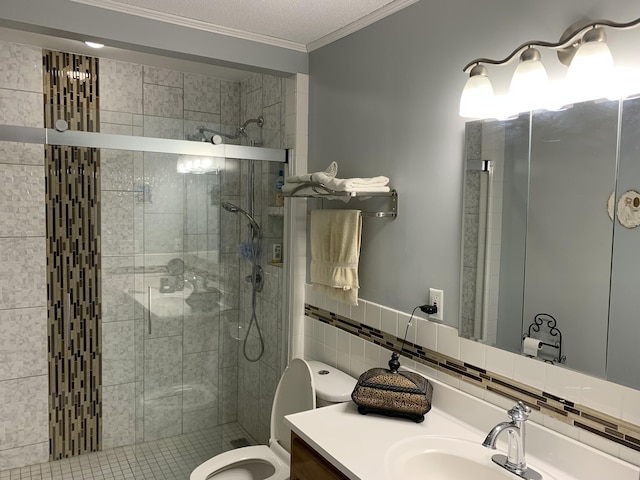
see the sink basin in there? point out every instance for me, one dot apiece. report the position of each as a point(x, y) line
point(443, 458)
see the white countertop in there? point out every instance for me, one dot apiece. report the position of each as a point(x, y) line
point(357, 444)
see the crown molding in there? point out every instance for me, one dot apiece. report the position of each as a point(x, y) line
point(365, 21)
point(194, 23)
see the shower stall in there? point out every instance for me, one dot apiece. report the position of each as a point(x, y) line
point(179, 317)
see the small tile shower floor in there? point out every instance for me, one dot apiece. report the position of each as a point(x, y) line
point(167, 459)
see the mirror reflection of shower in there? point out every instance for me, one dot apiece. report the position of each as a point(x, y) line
point(251, 250)
point(217, 137)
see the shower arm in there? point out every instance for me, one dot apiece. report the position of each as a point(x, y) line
point(241, 132)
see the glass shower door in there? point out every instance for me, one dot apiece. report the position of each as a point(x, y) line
point(161, 305)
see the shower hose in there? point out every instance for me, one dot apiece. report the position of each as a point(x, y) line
point(254, 319)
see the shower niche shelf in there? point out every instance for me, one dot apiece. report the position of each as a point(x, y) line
point(319, 190)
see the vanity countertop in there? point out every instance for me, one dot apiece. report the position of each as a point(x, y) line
point(358, 445)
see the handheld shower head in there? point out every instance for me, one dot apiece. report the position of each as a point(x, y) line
point(230, 207)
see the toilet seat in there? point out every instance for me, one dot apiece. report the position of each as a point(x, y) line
point(222, 466)
point(295, 393)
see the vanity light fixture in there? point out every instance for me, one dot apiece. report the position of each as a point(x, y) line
point(591, 74)
point(94, 44)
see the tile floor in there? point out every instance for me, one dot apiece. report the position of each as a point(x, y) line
point(167, 459)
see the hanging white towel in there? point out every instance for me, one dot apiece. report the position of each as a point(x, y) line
point(335, 253)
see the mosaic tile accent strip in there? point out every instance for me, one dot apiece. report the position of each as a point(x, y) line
point(70, 90)
point(571, 413)
point(73, 259)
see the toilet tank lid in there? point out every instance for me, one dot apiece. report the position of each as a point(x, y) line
point(331, 384)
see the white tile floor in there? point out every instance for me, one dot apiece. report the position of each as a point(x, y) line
point(168, 459)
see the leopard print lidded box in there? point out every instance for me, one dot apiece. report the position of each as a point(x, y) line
point(393, 393)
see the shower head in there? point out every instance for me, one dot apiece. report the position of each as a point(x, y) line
point(230, 207)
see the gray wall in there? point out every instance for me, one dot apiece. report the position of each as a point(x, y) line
point(384, 101)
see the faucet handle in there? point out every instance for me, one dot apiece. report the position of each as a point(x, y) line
point(519, 412)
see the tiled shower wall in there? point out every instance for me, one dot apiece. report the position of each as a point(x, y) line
point(140, 100)
point(24, 436)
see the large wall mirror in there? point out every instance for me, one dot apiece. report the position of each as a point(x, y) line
point(551, 237)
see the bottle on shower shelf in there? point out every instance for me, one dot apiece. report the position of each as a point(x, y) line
point(279, 200)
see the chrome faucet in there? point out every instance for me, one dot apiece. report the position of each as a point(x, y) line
point(514, 462)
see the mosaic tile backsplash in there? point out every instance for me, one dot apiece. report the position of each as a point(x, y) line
point(358, 338)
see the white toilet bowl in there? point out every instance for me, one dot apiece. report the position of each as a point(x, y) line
point(296, 392)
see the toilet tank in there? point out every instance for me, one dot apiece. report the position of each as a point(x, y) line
point(332, 385)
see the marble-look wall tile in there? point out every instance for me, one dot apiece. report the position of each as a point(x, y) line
point(197, 202)
point(271, 90)
point(117, 223)
point(198, 420)
point(21, 67)
point(24, 410)
point(23, 283)
point(23, 343)
point(118, 413)
point(201, 381)
point(21, 201)
point(120, 86)
point(24, 456)
point(115, 129)
point(196, 120)
point(201, 94)
point(253, 106)
point(162, 76)
point(19, 108)
point(254, 82)
point(162, 367)
point(118, 353)
point(160, 101)
point(118, 283)
point(163, 233)
point(162, 417)
point(166, 184)
point(229, 394)
point(230, 179)
point(162, 127)
point(201, 332)
point(21, 153)
point(230, 103)
point(272, 132)
point(116, 170)
point(115, 118)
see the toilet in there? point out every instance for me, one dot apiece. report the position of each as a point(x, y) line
point(304, 385)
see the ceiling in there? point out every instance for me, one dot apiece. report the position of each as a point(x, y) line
point(297, 24)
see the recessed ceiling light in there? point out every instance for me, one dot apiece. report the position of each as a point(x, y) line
point(94, 44)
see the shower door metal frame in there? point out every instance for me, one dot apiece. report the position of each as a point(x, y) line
point(50, 136)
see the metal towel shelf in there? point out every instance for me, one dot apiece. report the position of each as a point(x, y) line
point(319, 190)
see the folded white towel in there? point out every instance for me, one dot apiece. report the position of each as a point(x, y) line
point(330, 172)
point(335, 253)
point(373, 184)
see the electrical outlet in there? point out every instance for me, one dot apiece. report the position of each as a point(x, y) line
point(436, 297)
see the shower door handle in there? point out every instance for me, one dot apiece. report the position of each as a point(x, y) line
point(149, 307)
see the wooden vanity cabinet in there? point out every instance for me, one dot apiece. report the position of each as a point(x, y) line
point(307, 464)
